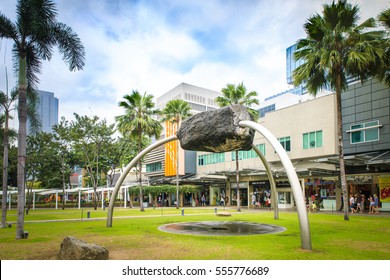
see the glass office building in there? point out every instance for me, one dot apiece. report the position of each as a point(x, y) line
point(47, 110)
point(291, 64)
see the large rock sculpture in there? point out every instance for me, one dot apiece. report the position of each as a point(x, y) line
point(217, 130)
point(75, 249)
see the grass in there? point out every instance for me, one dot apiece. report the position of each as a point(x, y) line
point(134, 235)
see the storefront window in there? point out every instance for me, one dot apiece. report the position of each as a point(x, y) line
point(318, 189)
point(243, 194)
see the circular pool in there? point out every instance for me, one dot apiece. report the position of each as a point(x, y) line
point(221, 228)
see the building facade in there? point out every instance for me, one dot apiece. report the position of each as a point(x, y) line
point(161, 162)
point(306, 126)
point(307, 131)
point(366, 128)
point(47, 111)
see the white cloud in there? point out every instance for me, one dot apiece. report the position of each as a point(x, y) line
point(155, 45)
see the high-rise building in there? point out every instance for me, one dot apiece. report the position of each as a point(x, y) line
point(47, 111)
point(291, 63)
point(293, 95)
point(161, 163)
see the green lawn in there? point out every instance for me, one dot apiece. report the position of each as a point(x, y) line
point(134, 235)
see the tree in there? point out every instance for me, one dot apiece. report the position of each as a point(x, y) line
point(136, 121)
point(89, 137)
point(175, 111)
point(384, 73)
point(337, 48)
point(6, 101)
point(43, 164)
point(233, 94)
point(35, 33)
point(129, 150)
point(65, 152)
point(111, 159)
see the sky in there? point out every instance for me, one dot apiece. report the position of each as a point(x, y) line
point(153, 46)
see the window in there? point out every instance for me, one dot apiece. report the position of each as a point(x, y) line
point(248, 154)
point(365, 132)
point(197, 107)
point(286, 143)
point(211, 158)
point(153, 167)
point(312, 140)
point(267, 109)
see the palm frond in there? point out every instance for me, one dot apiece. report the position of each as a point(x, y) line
point(175, 111)
point(70, 46)
point(137, 118)
point(384, 18)
point(7, 28)
point(337, 47)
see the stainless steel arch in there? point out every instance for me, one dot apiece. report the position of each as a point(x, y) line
point(127, 170)
point(291, 174)
point(292, 177)
point(271, 181)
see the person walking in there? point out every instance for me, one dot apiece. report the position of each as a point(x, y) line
point(359, 202)
point(342, 203)
point(362, 203)
point(203, 200)
point(222, 201)
point(352, 204)
point(371, 209)
point(376, 204)
point(253, 200)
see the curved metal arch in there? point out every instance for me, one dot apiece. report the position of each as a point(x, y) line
point(291, 174)
point(127, 170)
point(292, 177)
point(271, 181)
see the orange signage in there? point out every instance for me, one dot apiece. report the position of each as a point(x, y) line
point(170, 150)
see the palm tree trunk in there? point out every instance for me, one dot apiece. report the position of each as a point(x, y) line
point(22, 108)
point(341, 148)
point(5, 174)
point(63, 185)
point(94, 186)
point(141, 199)
point(238, 187)
point(177, 172)
point(141, 191)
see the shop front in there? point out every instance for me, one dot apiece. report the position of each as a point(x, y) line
point(361, 183)
point(217, 191)
point(285, 197)
point(368, 185)
point(200, 196)
point(260, 193)
point(384, 192)
point(243, 187)
point(322, 192)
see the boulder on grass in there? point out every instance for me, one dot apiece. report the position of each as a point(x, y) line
point(75, 249)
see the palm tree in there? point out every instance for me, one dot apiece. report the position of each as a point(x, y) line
point(233, 94)
point(34, 34)
point(175, 111)
point(6, 102)
point(335, 49)
point(137, 121)
point(384, 19)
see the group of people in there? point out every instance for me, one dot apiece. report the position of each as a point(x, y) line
point(374, 204)
point(261, 201)
point(357, 203)
point(311, 205)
